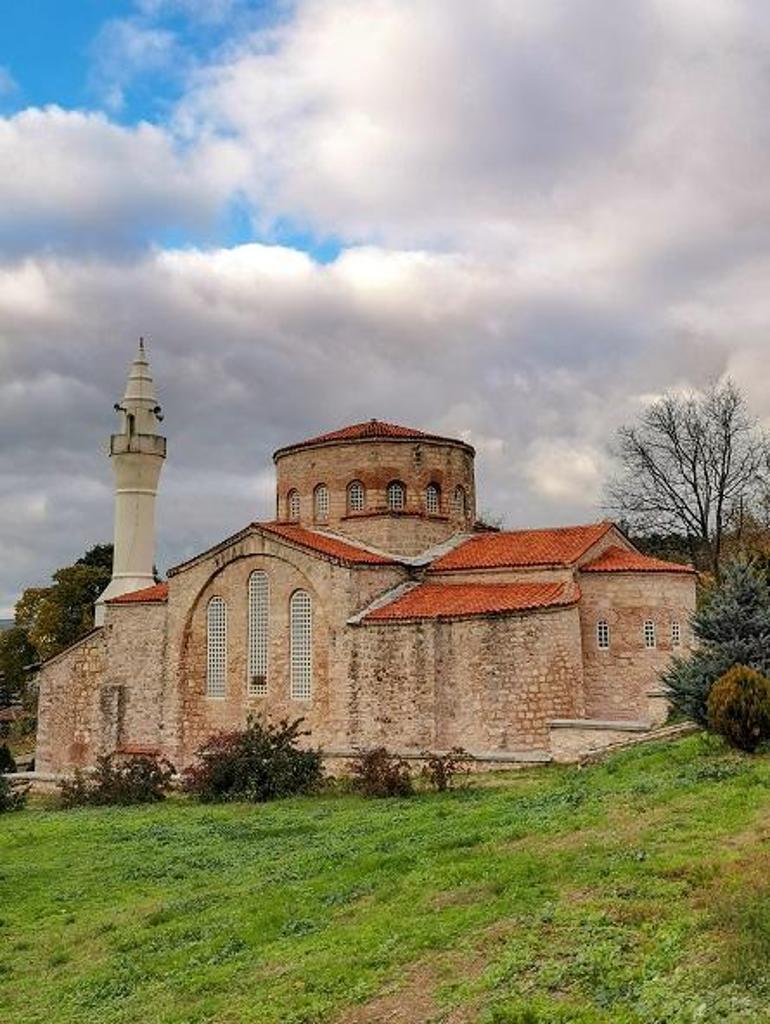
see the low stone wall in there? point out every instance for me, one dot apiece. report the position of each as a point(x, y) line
point(573, 738)
point(582, 740)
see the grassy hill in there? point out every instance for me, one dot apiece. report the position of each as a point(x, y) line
point(633, 892)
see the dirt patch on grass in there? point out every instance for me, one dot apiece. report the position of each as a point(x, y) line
point(416, 1001)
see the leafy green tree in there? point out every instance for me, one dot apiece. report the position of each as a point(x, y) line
point(16, 652)
point(733, 628)
point(64, 612)
point(99, 556)
point(55, 617)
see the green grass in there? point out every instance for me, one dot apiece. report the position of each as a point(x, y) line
point(632, 892)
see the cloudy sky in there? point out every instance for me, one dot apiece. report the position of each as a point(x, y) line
point(507, 220)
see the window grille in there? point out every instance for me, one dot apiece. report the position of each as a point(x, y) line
point(293, 503)
point(650, 640)
point(432, 499)
point(321, 502)
point(356, 497)
point(216, 640)
point(301, 618)
point(676, 634)
point(258, 636)
point(396, 496)
point(458, 501)
point(603, 635)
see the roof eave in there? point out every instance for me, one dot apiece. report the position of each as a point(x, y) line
point(431, 439)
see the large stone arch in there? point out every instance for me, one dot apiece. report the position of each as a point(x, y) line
point(199, 715)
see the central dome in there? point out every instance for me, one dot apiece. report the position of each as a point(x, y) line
point(397, 488)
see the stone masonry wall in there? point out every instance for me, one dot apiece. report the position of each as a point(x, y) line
point(70, 721)
point(136, 641)
point(398, 534)
point(490, 684)
point(618, 681)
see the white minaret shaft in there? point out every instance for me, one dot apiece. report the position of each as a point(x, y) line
point(136, 453)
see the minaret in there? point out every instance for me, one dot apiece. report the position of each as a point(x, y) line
point(137, 453)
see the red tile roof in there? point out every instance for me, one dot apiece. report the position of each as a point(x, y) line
point(326, 545)
point(617, 559)
point(513, 548)
point(371, 429)
point(149, 595)
point(455, 600)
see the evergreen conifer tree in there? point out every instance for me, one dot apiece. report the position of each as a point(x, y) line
point(732, 628)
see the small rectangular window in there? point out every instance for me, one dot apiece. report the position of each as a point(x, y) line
point(676, 634)
point(603, 635)
point(650, 640)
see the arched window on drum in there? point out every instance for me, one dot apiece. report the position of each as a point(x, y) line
point(321, 503)
point(396, 496)
point(356, 496)
point(433, 499)
point(292, 504)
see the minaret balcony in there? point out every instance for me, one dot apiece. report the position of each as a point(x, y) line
point(142, 444)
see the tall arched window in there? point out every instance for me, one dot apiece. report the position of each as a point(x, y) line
point(356, 496)
point(432, 499)
point(292, 503)
point(321, 503)
point(396, 496)
point(216, 648)
point(258, 635)
point(301, 653)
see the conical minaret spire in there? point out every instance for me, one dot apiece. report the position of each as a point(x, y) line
point(137, 452)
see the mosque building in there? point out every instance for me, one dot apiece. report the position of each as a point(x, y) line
point(374, 606)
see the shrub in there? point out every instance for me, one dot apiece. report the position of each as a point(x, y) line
point(260, 762)
point(135, 780)
point(733, 628)
point(378, 773)
point(441, 769)
point(13, 796)
point(739, 708)
point(7, 763)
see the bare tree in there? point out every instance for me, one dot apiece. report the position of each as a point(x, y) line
point(694, 464)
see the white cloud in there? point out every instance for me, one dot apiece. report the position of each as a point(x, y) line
point(73, 177)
